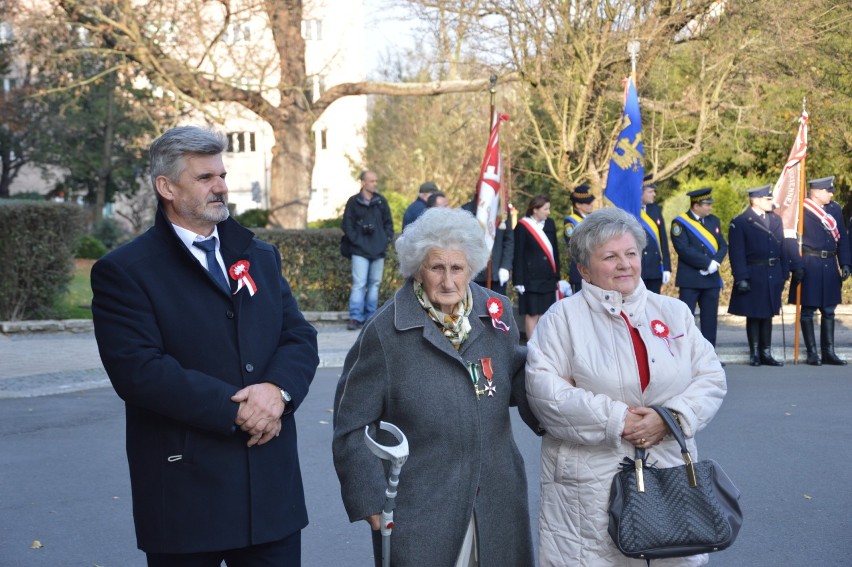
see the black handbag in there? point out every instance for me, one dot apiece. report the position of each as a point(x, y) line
point(672, 512)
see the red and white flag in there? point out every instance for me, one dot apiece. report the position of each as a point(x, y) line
point(787, 192)
point(489, 184)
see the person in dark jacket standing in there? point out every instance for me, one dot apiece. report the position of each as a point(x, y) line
point(825, 264)
point(203, 340)
point(420, 204)
point(581, 202)
point(536, 273)
point(368, 225)
point(760, 262)
point(502, 254)
point(701, 249)
point(656, 261)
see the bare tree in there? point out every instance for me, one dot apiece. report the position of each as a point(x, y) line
point(180, 45)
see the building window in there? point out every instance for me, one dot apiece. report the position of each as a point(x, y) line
point(6, 32)
point(237, 32)
point(324, 139)
point(241, 142)
point(8, 84)
point(312, 30)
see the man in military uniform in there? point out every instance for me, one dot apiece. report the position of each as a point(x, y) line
point(760, 262)
point(822, 268)
point(656, 261)
point(581, 202)
point(701, 248)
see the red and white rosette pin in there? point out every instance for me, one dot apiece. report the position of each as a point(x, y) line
point(240, 272)
point(495, 310)
point(661, 330)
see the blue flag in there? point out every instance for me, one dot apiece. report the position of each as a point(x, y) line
point(626, 168)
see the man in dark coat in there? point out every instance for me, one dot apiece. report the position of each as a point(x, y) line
point(701, 248)
point(368, 225)
point(415, 209)
point(581, 202)
point(211, 369)
point(656, 260)
point(760, 262)
point(823, 267)
point(502, 254)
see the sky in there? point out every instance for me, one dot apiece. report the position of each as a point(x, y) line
point(388, 30)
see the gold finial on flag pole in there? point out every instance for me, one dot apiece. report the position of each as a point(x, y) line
point(633, 50)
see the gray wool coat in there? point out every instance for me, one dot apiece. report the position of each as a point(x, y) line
point(463, 458)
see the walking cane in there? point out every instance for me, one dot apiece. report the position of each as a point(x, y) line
point(397, 455)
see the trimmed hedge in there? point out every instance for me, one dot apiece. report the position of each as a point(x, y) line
point(37, 245)
point(320, 277)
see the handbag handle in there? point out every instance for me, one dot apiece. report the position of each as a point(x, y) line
point(676, 430)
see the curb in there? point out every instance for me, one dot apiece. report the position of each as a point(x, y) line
point(87, 326)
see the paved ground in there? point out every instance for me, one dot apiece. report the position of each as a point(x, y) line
point(42, 358)
point(780, 435)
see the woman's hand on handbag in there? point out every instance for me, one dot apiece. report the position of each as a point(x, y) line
point(643, 427)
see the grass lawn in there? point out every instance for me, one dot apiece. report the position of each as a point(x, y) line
point(77, 301)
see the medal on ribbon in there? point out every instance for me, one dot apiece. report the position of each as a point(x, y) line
point(661, 330)
point(240, 273)
point(495, 310)
point(482, 368)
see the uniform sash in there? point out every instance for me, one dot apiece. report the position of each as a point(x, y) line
point(539, 237)
point(545, 246)
point(574, 219)
point(652, 229)
point(701, 233)
point(829, 223)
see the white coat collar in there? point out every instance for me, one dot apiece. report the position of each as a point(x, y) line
point(613, 303)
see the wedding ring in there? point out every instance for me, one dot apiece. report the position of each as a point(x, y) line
point(642, 441)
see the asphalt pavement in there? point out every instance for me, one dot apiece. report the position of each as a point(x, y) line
point(780, 435)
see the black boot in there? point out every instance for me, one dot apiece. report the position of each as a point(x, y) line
point(752, 334)
point(766, 344)
point(826, 339)
point(810, 342)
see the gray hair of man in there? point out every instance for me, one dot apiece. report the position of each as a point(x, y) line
point(168, 151)
point(441, 229)
point(600, 227)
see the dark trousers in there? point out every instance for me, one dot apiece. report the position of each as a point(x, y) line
point(282, 553)
point(653, 285)
point(708, 301)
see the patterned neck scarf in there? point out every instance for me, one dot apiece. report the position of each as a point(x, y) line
point(455, 325)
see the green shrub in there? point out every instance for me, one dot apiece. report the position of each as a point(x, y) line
point(90, 247)
point(109, 233)
point(254, 218)
point(37, 241)
point(320, 277)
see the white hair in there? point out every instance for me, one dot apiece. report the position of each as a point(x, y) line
point(600, 227)
point(441, 229)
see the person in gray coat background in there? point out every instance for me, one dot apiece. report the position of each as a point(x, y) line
point(442, 362)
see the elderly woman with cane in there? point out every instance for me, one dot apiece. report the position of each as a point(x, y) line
point(597, 362)
point(441, 361)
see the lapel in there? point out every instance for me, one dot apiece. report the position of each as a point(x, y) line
point(408, 314)
point(235, 245)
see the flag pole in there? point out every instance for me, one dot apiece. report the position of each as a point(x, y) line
point(633, 50)
point(800, 228)
point(492, 91)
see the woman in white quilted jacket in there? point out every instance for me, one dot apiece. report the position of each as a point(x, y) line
point(597, 362)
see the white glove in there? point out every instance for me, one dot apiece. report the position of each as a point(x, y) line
point(520, 289)
point(564, 288)
point(713, 267)
point(503, 275)
point(667, 277)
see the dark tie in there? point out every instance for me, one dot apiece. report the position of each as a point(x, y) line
point(209, 247)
